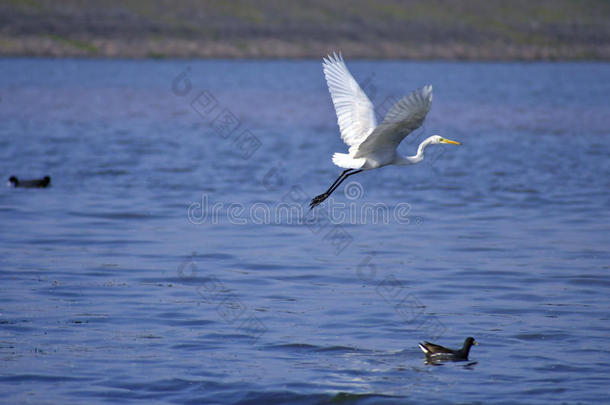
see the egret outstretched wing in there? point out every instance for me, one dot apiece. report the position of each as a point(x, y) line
point(403, 118)
point(355, 113)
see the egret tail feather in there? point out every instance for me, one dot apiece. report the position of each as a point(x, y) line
point(347, 162)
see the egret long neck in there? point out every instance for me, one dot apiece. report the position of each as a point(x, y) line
point(411, 160)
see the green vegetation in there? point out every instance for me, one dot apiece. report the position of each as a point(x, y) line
point(156, 55)
point(81, 45)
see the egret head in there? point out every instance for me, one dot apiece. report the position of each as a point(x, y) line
point(439, 139)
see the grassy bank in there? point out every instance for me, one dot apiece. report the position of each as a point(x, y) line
point(416, 29)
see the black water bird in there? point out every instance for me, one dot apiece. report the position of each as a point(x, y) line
point(35, 183)
point(440, 353)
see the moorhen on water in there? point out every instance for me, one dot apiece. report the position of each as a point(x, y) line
point(35, 183)
point(437, 352)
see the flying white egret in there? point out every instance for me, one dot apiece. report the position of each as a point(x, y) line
point(372, 146)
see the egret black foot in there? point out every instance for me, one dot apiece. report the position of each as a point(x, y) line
point(318, 200)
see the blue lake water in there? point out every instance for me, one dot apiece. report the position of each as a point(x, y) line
point(170, 261)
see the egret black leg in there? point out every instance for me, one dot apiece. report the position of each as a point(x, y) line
point(320, 198)
point(341, 181)
point(338, 178)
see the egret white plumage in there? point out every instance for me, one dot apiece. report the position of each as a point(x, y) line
point(372, 146)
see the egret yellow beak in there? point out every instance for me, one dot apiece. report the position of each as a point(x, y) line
point(450, 141)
